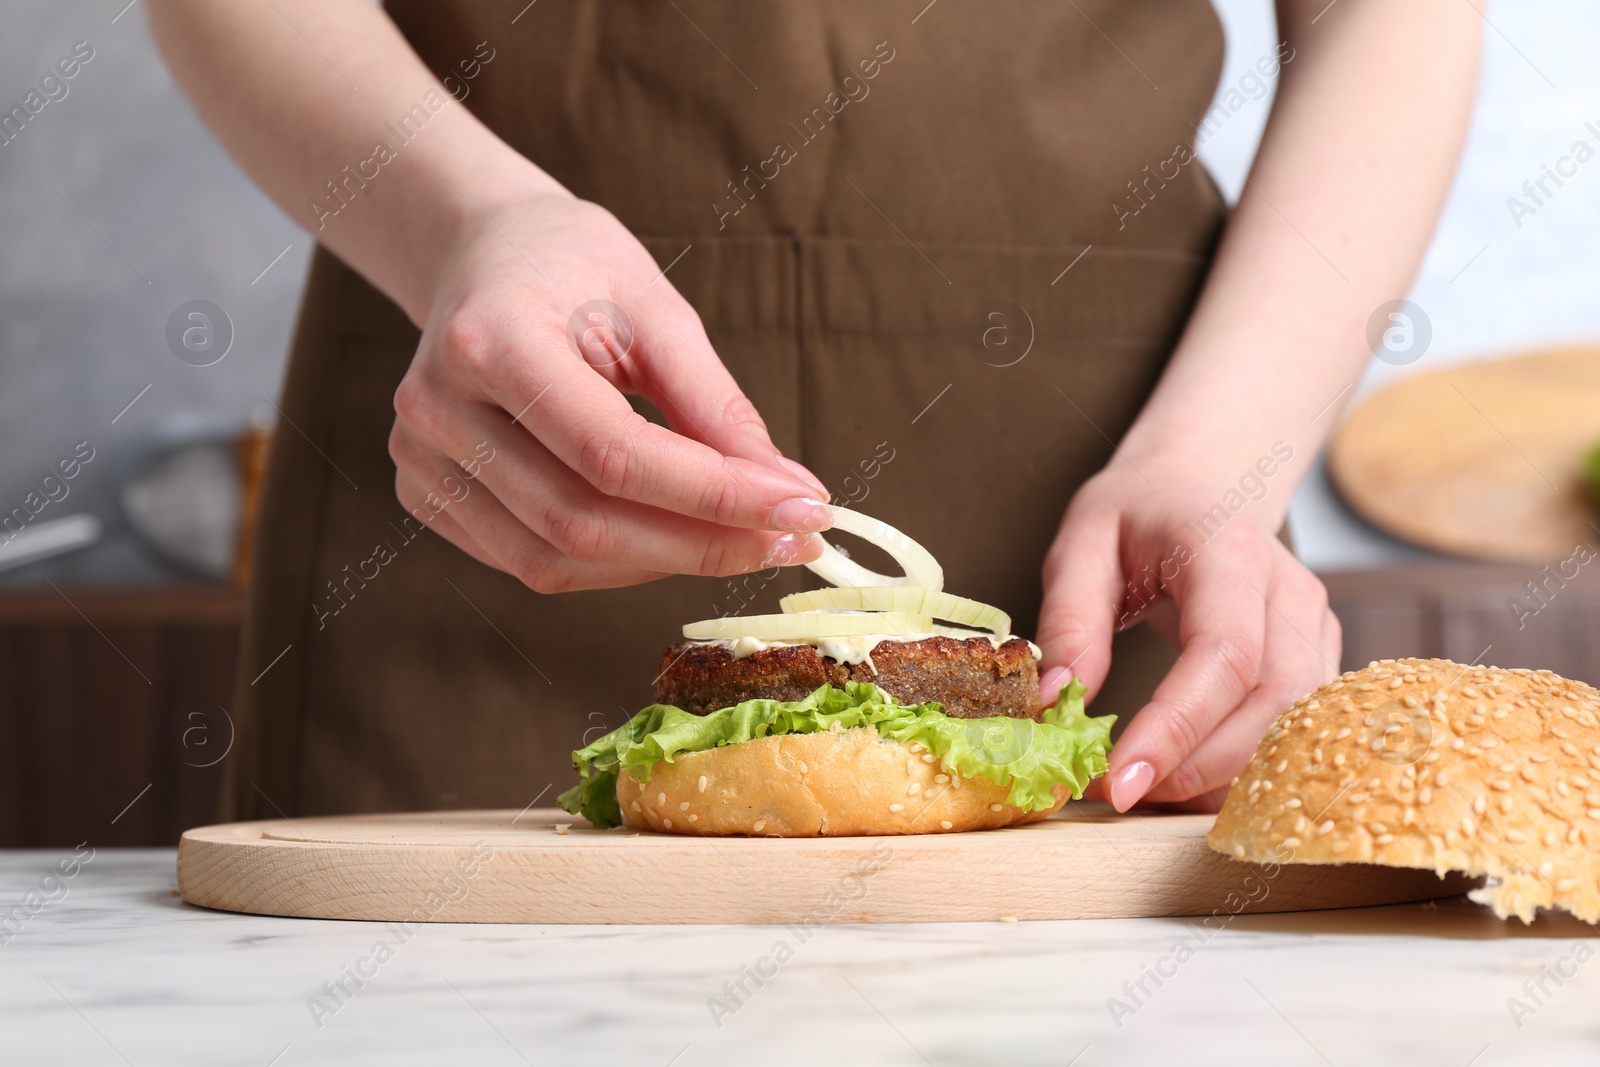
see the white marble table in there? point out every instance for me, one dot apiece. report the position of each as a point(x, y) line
point(118, 970)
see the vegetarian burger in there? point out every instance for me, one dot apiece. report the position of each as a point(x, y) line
point(880, 705)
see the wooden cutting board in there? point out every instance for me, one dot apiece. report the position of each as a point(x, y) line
point(506, 867)
point(1483, 460)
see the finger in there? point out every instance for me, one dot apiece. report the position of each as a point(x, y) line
point(1222, 627)
point(1082, 593)
point(589, 527)
point(1295, 663)
point(682, 375)
point(508, 544)
point(590, 427)
point(442, 524)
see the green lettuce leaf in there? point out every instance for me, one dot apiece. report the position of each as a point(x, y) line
point(1067, 747)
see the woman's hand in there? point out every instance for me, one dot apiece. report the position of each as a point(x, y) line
point(544, 313)
point(1252, 625)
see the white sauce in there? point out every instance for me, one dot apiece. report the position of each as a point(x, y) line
point(856, 648)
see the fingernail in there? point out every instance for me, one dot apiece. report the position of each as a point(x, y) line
point(1050, 684)
point(1131, 783)
point(786, 550)
point(801, 514)
point(799, 471)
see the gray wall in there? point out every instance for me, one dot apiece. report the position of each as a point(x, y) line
point(82, 332)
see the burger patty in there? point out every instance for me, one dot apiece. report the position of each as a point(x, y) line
point(969, 678)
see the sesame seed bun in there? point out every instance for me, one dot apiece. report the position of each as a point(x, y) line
point(1431, 764)
point(844, 783)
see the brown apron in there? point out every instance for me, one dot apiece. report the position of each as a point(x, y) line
point(848, 194)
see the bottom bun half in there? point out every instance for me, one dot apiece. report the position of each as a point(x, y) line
point(844, 783)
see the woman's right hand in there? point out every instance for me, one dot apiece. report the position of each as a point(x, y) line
point(514, 441)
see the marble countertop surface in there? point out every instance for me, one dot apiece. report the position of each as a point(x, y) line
point(110, 967)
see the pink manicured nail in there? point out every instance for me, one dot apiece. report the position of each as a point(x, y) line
point(799, 471)
point(786, 549)
point(1131, 783)
point(1050, 684)
point(801, 514)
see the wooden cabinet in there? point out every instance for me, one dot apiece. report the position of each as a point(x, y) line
point(115, 699)
point(113, 713)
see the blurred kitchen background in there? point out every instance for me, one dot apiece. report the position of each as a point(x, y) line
point(147, 296)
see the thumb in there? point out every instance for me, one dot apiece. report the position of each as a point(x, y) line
point(682, 375)
point(1082, 594)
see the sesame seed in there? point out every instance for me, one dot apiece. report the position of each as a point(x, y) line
point(667, 823)
point(803, 768)
point(927, 757)
point(1516, 837)
point(1291, 842)
point(1292, 802)
point(1396, 684)
point(1552, 836)
point(1479, 804)
point(683, 805)
point(1266, 787)
point(996, 807)
point(1379, 828)
point(1255, 785)
point(1340, 846)
point(1409, 817)
point(1358, 797)
point(946, 824)
point(1566, 885)
point(1500, 785)
point(635, 806)
point(913, 789)
point(941, 778)
point(1299, 824)
point(761, 824)
point(1338, 758)
point(1344, 732)
point(694, 818)
point(1238, 852)
point(1561, 787)
point(701, 784)
point(1505, 805)
point(1003, 918)
point(927, 794)
point(897, 807)
point(1594, 813)
point(1440, 780)
point(1326, 828)
point(914, 748)
point(661, 798)
point(1282, 766)
point(1383, 839)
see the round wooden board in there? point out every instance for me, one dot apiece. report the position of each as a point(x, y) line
point(506, 867)
point(1483, 460)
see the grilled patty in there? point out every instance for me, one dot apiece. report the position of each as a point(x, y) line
point(970, 678)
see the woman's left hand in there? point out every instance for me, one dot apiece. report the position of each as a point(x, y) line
point(1251, 622)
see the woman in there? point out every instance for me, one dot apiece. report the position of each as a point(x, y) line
point(962, 262)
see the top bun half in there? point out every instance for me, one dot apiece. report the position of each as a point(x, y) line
point(1432, 764)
